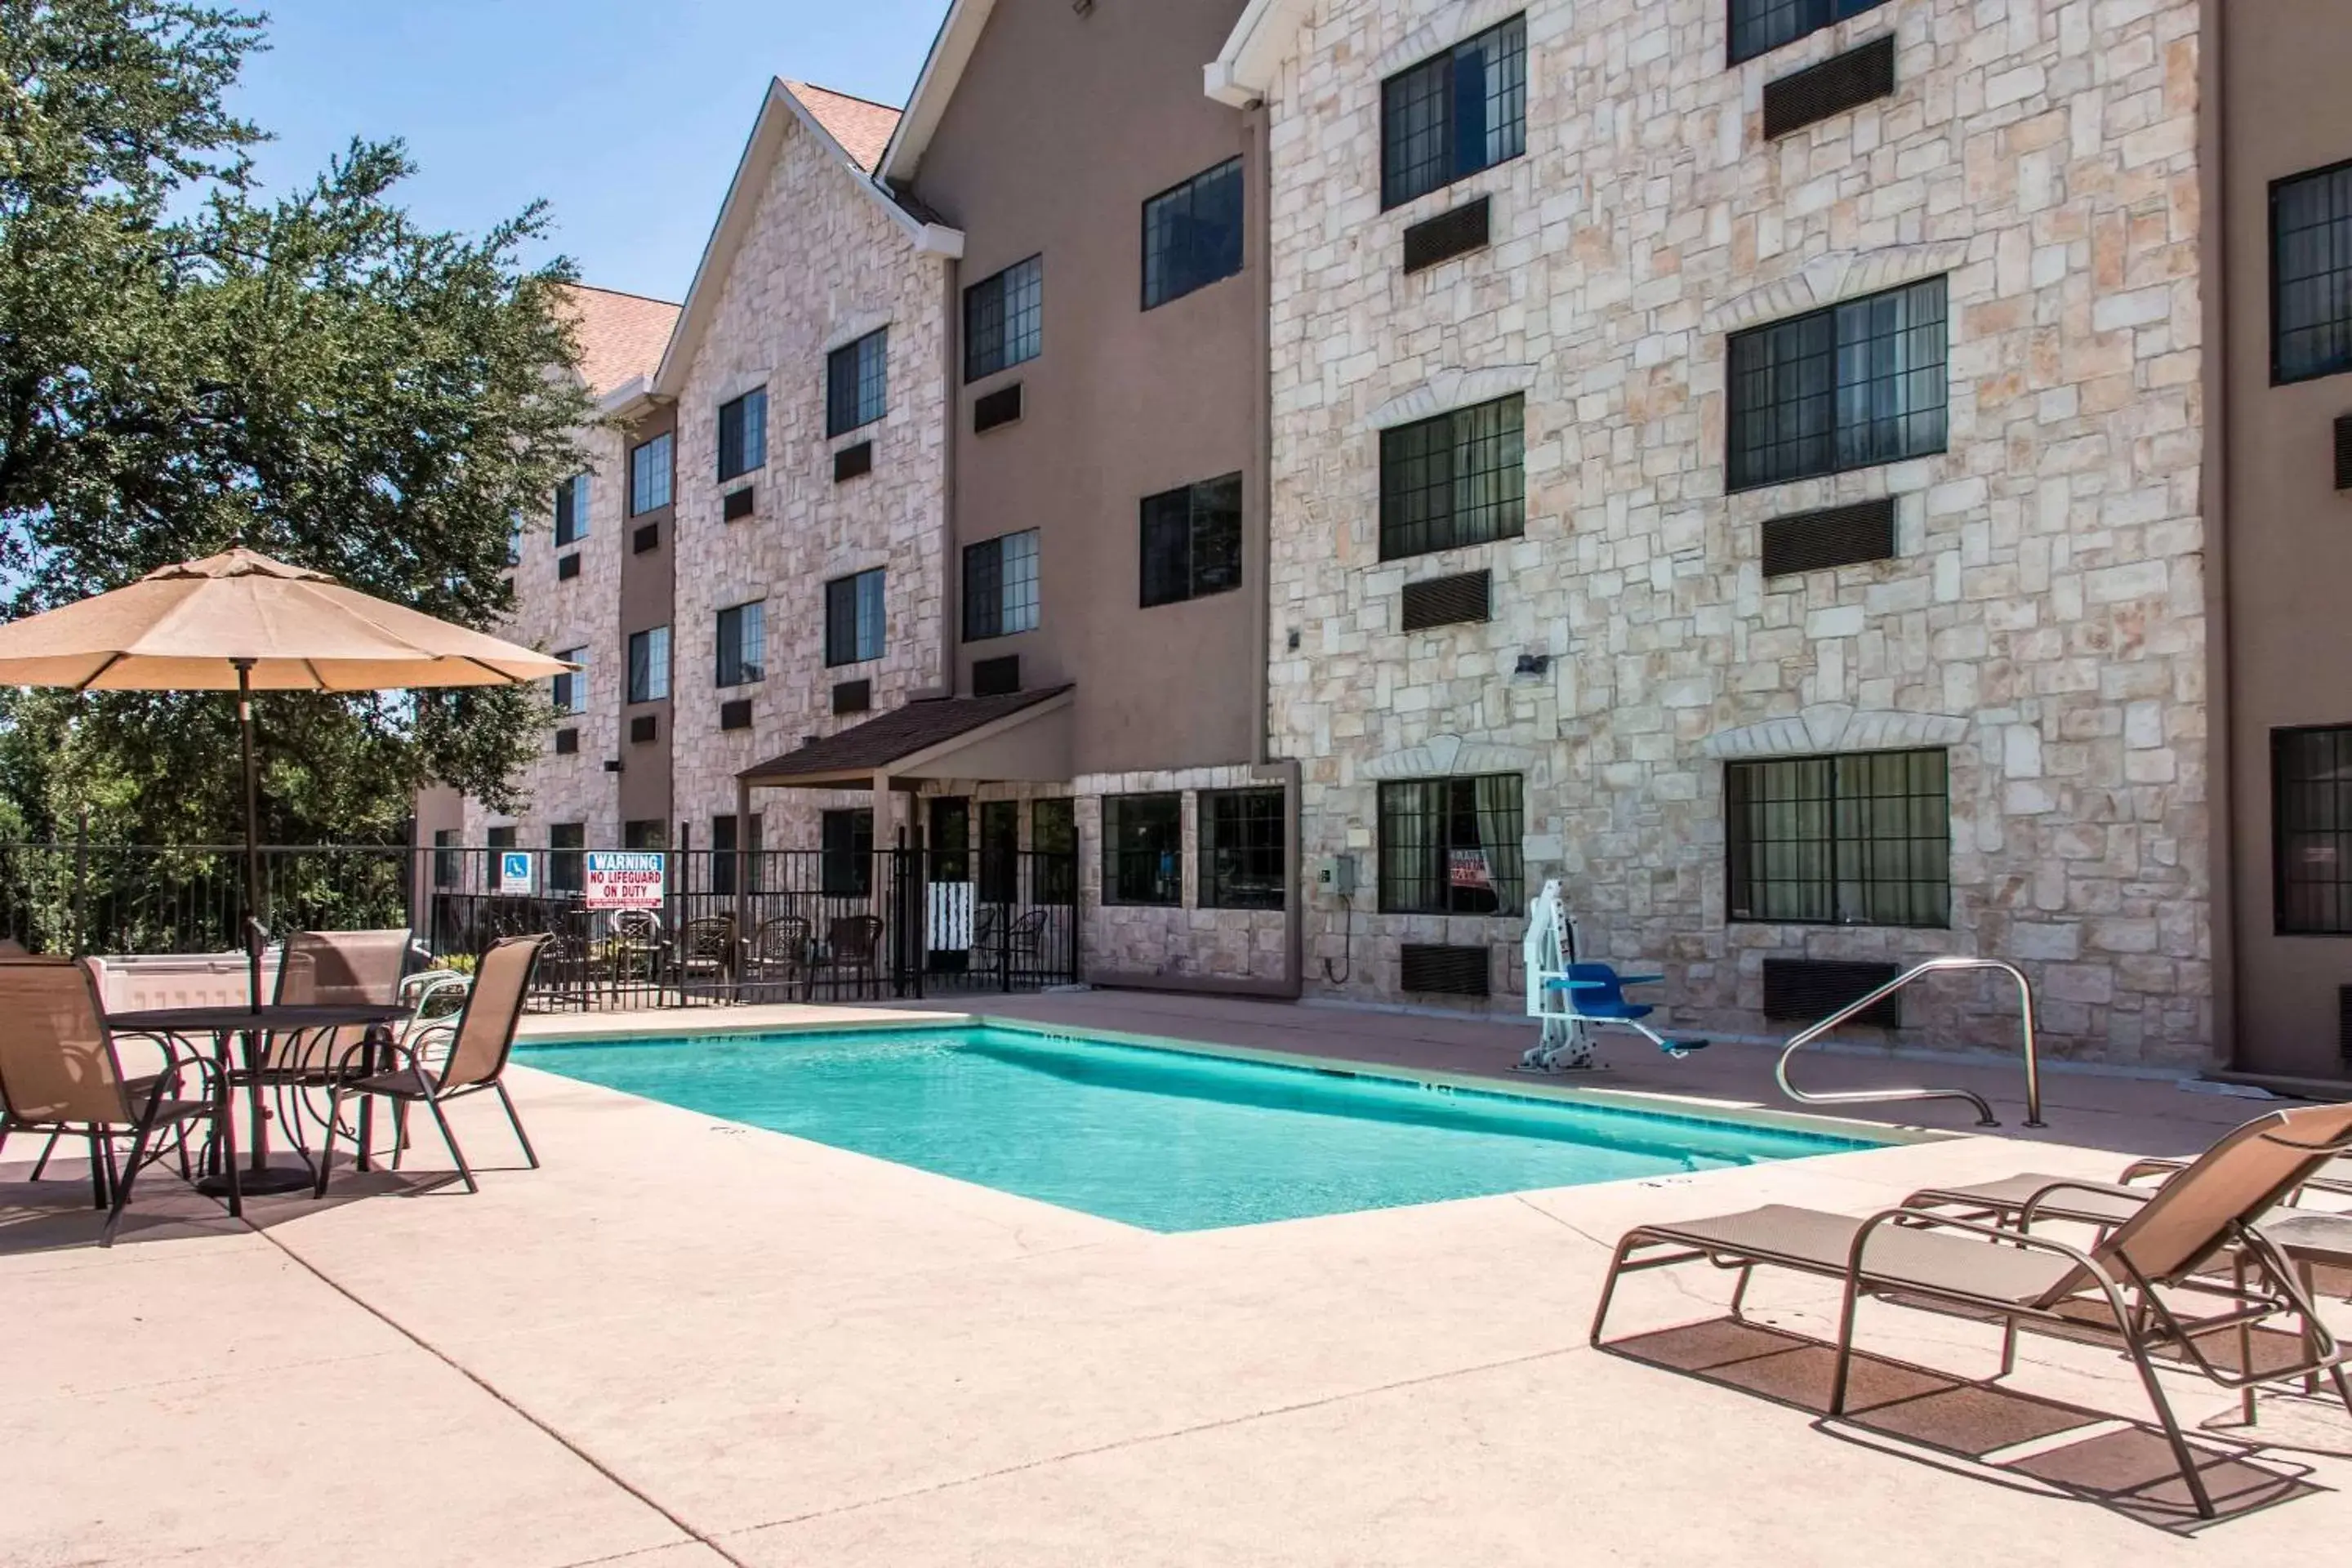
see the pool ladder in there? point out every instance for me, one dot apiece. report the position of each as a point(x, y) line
point(1985, 1118)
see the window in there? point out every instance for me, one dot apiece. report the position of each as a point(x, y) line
point(846, 863)
point(743, 645)
point(743, 434)
point(649, 665)
point(1000, 851)
point(1143, 849)
point(1862, 840)
point(1053, 838)
point(1240, 849)
point(444, 857)
point(727, 852)
point(1848, 387)
point(1192, 235)
point(571, 510)
point(565, 840)
point(1459, 478)
point(857, 383)
point(2311, 827)
point(854, 618)
point(514, 539)
point(2310, 275)
point(999, 586)
point(570, 690)
point(649, 470)
point(1452, 847)
point(500, 837)
point(1004, 319)
point(645, 833)
point(1455, 114)
point(1193, 541)
point(1759, 26)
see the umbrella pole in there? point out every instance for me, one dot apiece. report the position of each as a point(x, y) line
point(256, 931)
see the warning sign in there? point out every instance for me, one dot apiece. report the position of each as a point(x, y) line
point(624, 879)
point(1468, 869)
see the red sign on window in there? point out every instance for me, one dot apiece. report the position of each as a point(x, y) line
point(1468, 869)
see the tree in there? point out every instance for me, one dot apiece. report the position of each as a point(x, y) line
point(185, 364)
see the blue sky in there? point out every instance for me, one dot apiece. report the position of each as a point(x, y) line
point(627, 118)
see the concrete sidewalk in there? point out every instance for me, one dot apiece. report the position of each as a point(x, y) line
point(686, 1341)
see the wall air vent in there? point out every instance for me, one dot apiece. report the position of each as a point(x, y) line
point(1444, 601)
point(567, 567)
point(852, 461)
point(645, 727)
point(996, 676)
point(1836, 85)
point(1457, 231)
point(1445, 971)
point(567, 743)
point(2344, 451)
point(1002, 406)
point(737, 504)
point(853, 696)
point(1807, 990)
point(646, 537)
point(1839, 536)
point(735, 715)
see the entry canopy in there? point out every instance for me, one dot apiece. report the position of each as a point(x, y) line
point(1021, 737)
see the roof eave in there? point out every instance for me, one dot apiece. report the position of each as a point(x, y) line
point(1244, 70)
point(943, 68)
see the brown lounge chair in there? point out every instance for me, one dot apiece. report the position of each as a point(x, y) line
point(60, 1072)
point(479, 1039)
point(2115, 1292)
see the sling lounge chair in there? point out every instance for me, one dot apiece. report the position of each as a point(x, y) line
point(479, 1040)
point(2121, 1291)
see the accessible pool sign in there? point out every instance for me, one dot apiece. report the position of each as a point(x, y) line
point(514, 871)
point(624, 879)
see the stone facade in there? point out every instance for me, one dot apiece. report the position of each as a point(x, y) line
point(1192, 941)
point(821, 263)
point(2043, 618)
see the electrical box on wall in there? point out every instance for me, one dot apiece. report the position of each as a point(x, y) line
point(1335, 875)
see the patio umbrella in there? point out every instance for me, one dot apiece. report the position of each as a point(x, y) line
point(240, 621)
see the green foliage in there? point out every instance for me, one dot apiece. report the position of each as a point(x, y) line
point(185, 364)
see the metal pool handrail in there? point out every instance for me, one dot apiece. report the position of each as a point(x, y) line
point(1872, 1096)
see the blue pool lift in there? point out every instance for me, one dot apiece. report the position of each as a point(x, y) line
point(1571, 1000)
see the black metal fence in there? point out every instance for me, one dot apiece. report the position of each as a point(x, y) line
point(700, 926)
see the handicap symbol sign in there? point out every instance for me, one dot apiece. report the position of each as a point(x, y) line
point(514, 871)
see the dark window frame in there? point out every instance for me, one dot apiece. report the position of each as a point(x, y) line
point(645, 672)
point(1749, 37)
point(1002, 329)
point(744, 434)
point(1245, 845)
point(567, 843)
point(1786, 420)
point(642, 496)
point(1191, 543)
point(991, 599)
point(1452, 822)
point(571, 502)
point(1053, 840)
point(449, 856)
point(845, 853)
point(1855, 836)
point(846, 602)
point(569, 692)
point(734, 668)
point(1432, 152)
point(2310, 905)
point(1184, 251)
point(857, 383)
point(2337, 275)
point(1146, 873)
point(1428, 466)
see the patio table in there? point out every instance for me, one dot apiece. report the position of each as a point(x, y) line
point(256, 1024)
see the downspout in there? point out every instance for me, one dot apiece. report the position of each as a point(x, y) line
point(950, 586)
point(2222, 750)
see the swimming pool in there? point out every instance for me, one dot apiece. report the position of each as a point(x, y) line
point(1166, 1140)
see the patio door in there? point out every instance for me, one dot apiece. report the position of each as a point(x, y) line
point(949, 933)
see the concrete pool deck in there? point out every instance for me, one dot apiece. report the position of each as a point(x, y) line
point(687, 1342)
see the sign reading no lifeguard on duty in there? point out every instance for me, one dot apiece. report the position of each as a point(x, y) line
point(624, 879)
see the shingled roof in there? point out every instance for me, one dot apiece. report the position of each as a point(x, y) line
point(862, 126)
point(895, 736)
point(622, 336)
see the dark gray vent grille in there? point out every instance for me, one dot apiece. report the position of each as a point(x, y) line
point(1839, 83)
point(1443, 601)
point(1446, 970)
point(735, 715)
point(1807, 990)
point(1457, 231)
point(567, 743)
point(999, 407)
point(2344, 451)
point(567, 567)
point(2344, 1023)
point(851, 461)
point(996, 676)
point(853, 696)
point(1839, 536)
point(646, 537)
point(645, 727)
point(737, 504)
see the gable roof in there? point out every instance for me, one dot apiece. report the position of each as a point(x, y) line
point(898, 737)
point(621, 335)
point(1245, 67)
point(958, 35)
point(817, 111)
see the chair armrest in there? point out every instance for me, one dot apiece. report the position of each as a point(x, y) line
point(2032, 1207)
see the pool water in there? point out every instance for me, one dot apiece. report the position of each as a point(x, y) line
point(1164, 1140)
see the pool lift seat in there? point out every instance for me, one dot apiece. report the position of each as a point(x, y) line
point(1572, 999)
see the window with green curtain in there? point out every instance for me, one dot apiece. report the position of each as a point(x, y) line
point(1859, 840)
point(1452, 847)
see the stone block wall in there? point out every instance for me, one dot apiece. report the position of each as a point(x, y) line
point(1187, 941)
point(2044, 616)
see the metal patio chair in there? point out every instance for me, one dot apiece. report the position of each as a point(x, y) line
point(778, 954)
point(853, 945)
